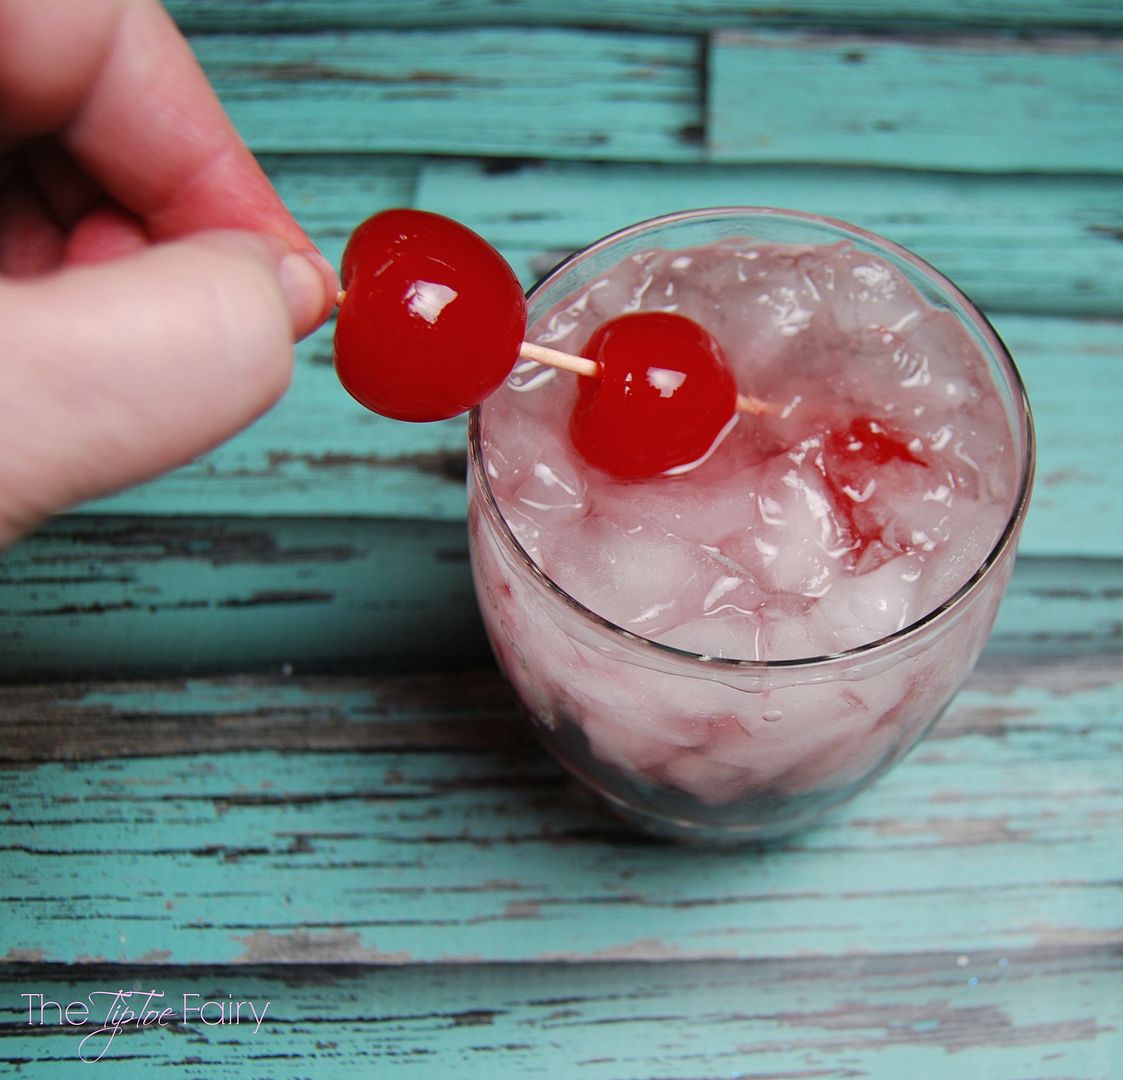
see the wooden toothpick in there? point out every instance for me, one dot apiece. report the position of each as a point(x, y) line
point(582, 365)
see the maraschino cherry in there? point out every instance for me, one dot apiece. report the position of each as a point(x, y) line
point(664, 397)
point(432, 320)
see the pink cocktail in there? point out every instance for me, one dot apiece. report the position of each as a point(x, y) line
point(728, 652)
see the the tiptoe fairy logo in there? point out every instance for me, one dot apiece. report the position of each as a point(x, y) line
point(102, 1015)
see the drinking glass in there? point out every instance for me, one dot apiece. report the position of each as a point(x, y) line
point(639, 722)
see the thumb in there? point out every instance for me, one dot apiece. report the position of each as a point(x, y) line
point(113, 373)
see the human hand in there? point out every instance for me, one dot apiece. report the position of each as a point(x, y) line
point(151, 281)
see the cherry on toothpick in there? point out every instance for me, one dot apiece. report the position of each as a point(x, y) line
point(431, 321)
point(431, 316)
point(665, 396)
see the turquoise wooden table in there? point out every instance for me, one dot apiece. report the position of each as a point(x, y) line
point(258, 762)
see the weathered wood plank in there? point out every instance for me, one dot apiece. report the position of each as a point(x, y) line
point(1015, 244)
point(1073, 432)
point(448, 837)
point(525, 92)
point(1022, 243)
point(1060, 607)
point(1048, 104)
point(258, 15)
point(1038, 244)
point(152, 595)
point(980, 105)
point(984, 105)
point(1052, 1016)
point(470, 711)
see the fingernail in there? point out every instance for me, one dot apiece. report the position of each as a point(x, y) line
point(302, 280)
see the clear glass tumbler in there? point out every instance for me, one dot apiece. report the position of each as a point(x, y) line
point(580, 678)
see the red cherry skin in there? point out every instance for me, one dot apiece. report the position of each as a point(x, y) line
point(665, 396)
point(431, 320)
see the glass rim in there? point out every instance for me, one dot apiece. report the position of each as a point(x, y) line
point(869, 650)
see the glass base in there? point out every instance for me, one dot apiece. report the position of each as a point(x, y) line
point(759, 818)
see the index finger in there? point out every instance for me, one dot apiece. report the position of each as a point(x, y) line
point(117, 83)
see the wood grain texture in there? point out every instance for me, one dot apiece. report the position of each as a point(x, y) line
point(259, 15)
point(1046, 1015)
point(537, 92)
point(411, 820)
point(148, 595)
point(1041, 244)
point(981, 105)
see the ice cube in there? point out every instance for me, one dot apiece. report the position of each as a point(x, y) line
point(731, 744)
point(977, 450)
point(535, 478)
point(844, 760)
point(709, 781)
point(699, 509)
point(797, 631)
point(787, 727)
point(863, 291)
point(728, 635)
point(681, 708)
point(861, 608)
point(527, 531)
point(975, 531)
point(552, 490)
point(607, 687)
point(629, 288)
point(773, 327)
point(524, 444)
point(914, 510)
point(639, 577)
point(899, 698)
point(798, 544)
point(634, 751)
point(957, 369)
point(631, 576)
